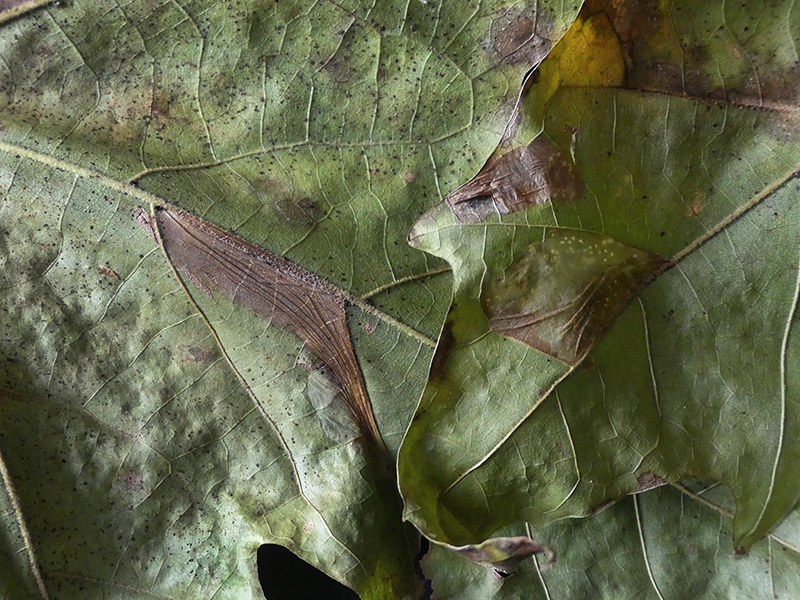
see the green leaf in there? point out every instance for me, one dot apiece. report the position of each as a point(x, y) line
point(698, 374)
point(667, 543)
point(154, 439)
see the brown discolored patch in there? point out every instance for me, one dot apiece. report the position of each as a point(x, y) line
point(662, 52)
point(697, 207)
point(134, 482)
point(648, 481)
point(409, 177)
point(201, 355)
point(300, 210)
point(107, 273)
point(295, 208)
point(534, 174)
point(275, 289)
point(145, 222)
point(564, 291)
point(339, 68)
point(519, 35)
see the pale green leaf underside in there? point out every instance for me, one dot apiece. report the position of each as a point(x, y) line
point(698, 375)
point(152, 447)
point(666, 543)
point(321, 131)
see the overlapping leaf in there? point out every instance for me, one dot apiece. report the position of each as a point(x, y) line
point(667, 543)
point(698, 374)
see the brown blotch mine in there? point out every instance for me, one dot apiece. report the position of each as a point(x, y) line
point(519, 36)
point(511, 182)
point(563, 292)
point(648, 481)
point(275, 289)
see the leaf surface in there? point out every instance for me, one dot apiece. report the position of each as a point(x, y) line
point(154, 435)
point(667, 543)
point(697, 375)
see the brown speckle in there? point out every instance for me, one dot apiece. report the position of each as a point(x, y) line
point(134, 482)
point(696, 208)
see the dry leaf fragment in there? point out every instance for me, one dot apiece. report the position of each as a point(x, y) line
point(504, 553)
point(276, 289)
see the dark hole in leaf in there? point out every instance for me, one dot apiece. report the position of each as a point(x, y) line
point(424, 548)
point(285, 576)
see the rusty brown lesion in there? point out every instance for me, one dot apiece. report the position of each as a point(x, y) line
point(563, 292)
point(106, 272)
point(519, 35)
point(649, 481)
point(273, 288)
point(515, 180)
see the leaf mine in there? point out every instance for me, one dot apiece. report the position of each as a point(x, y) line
point(274, 288)
point(511, 182)
point(564, 291)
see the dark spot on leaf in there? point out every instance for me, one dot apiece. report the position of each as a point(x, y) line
point(201, 355)
point(648, 481)
point(444, 348)
point(519, 35)
point(134, 482)
point(285, 576)
point(145, 222)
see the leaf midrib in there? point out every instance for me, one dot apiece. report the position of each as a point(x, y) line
point(127, 188)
